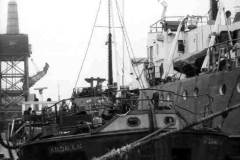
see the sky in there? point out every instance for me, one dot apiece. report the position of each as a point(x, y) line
point(59, 32)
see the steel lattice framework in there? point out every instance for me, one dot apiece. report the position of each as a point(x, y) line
point(14, 74)
point(14, 78)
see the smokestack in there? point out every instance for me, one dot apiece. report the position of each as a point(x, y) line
point(12, 22)
point(213, 9)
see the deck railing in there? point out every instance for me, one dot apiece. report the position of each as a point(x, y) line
point(225, 56)
point(158, 26)
point(62, 117)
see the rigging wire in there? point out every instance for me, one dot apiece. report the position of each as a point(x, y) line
point(126, 35)
point(89, 42)
point(117, 55)
point(128, 46)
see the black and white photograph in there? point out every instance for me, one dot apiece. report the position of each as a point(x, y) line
point(119, 79)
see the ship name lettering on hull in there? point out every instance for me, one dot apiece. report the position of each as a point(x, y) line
point(62, 148)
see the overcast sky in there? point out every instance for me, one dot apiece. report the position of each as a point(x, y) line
point(59, 31)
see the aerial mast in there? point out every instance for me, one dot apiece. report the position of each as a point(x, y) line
point(123, 46)
point(110, 72)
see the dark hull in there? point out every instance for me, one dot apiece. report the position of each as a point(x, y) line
point(234, 148)
point(189, 145)
point(224, 89)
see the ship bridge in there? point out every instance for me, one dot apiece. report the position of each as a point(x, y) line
point(161, 38)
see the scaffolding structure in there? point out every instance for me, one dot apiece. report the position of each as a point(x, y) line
point(14, 70)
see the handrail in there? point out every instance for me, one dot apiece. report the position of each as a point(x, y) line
point(162, 20)
point(58, 102)
point(146, 89)
point(55, 115)
point(169, 17)
point(225, 42)
point(174, 93)
point(210, 98)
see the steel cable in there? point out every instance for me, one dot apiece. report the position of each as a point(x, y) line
point(89, 42)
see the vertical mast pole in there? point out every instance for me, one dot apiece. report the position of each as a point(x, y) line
point(110, 72)
point(123, 47)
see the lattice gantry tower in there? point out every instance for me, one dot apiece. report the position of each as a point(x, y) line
point(14, 72)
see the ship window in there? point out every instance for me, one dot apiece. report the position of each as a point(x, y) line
point(180, 46)
point(238, 87)
point(133, 121)
point(222, 89)
point(195, 92)
point(223, 36)
point(185, 94)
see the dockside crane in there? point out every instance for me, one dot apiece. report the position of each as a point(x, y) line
point(39, 75)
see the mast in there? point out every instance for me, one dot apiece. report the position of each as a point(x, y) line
point(110, 72)
point(123, 47)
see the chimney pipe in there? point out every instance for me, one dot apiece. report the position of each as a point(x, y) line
point(213, 9)
point(12, 22)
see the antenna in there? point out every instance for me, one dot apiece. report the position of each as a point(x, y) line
point(123, 45)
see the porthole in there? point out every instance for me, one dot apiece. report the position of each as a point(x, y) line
point(168, 120)
point(222, 89)
point(195, 92)
point(185, 94)
point(238, 87)
point(133, 121)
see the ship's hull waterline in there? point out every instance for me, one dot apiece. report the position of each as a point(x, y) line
point(207, 145)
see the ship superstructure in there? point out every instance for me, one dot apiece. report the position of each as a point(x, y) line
point(194, 56)
point(172, 51)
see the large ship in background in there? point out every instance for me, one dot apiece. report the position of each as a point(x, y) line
point(198, 55)
point(186, 107)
